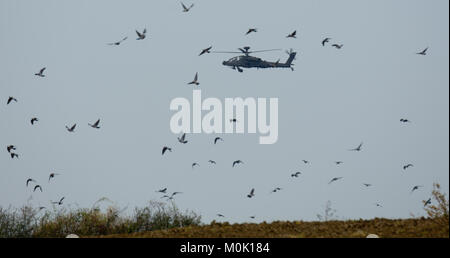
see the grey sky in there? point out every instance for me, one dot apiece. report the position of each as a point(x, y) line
point(331, 102)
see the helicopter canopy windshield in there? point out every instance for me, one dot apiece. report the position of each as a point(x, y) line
point(235, 59)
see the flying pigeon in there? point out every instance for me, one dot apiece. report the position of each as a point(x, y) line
point(95, 125)
point(30, 180)
point(118, 42)
point(251, 30)
point(237, 162)
point(41, 72)
point(182, 139)
point(185, 9)
point(166, 149)
point(423, 52)
point(296, 174)
point(357, 148)
point(292, 35)
point(71, 129)
point(206, 50)
point(52, 175)
point(141, 36)
point(252, 193)
point(326, 40)
point(195, 81)
point(162, 190)
point(217, 139)
point(60, 201)
point(11, 99)
point(405, 167)
point(10, 147)
point(335, 179)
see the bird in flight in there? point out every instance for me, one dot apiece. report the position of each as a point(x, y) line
point(30, 180)
point(326, 40)
point(378, 205)
point(142, 35)
point(220, 215)
point(423, 52)
point(296, 174)
point(186, 9)
point(33, 120)
point(338, 162)
point(405, 167)
point(427, 202)
point(276, 190)
point(252, 217)
point(357, 148)
point(251, 30)
point(36, 187)
point(162, 190)
point(173, 194)
point(166, 149)
point(52, 175)
point(14, 155)
point(195, 81)
point(60, 201)
point(11, 99)
point(416, 188)
point(95, 125)
point(305, 161)
point(337, 46)
point(71, 129)
point(212, 162)
point(195, 164)
point(403, 120)
point(117, 43)
point(41, 72)
point(206, 50)
point(252, 193)
point(182, 139)
point(367, 185)
point(10, 147)
point(217, 139)
point(292, 35)
point(233, 120)
point(335, 179)
point(236, 162)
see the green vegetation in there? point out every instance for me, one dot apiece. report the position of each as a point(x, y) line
point(30, 222)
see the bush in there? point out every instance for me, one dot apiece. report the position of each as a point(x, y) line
point(30, 222)
point(439, 212)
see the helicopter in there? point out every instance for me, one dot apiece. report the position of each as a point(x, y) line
point(248, 61)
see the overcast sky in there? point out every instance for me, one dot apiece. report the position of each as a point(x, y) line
point(334, 100)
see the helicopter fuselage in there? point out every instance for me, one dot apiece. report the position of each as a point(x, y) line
point(247, 61)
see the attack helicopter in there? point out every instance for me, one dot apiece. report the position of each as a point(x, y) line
point(248, 61)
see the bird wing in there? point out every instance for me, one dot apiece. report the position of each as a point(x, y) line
point(42, 70)
point(139, 34)
point(184, 7)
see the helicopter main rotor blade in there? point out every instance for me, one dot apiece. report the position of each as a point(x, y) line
point(267, 50)
point(226, 52)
